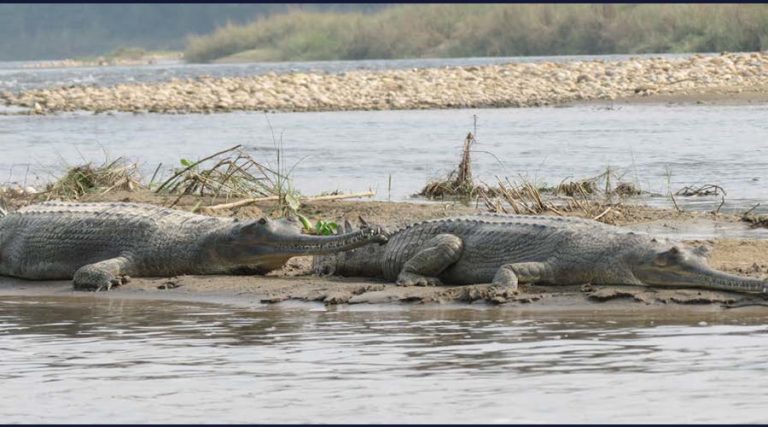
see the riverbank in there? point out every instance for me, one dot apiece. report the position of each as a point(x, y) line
point(508, 85)
point(296, 282)
point(119, 58)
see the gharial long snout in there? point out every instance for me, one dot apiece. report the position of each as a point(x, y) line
point(703, 276)
point(322, 245)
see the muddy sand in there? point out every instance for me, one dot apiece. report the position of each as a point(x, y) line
point(295, 282)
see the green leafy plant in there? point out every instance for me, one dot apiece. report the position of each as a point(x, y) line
point(326, 228)
point(322, 227)
point(305, 222)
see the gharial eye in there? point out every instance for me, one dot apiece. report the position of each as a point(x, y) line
point(262, 221)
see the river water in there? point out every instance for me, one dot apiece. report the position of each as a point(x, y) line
point(84, 359)
point(94, 360)
point(659, 148)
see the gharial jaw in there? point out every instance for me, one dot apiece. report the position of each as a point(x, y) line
point(267, 244)
point(678, 266)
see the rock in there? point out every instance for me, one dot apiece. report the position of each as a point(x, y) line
point(518, 85)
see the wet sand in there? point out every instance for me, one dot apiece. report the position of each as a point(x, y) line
point(295, 282)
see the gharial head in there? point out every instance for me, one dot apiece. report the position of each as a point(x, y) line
point(665, 263)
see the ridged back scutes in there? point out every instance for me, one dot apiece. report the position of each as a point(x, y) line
point(537, 221)
point(114, 210)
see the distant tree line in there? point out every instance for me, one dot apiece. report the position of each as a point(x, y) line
point(460, 30)
point(56, 31)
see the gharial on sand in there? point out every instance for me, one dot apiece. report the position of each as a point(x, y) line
point(509, 249)
point(99, 244)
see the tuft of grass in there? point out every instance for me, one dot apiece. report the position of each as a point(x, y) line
point(87, 178)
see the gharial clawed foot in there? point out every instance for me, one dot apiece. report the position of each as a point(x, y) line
point(101, 276)
point(410, 279)
point(98, 282)
point(504, 291)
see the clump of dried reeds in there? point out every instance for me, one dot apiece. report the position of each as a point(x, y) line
point(87, 178)
point(231, 173)
point(459, 183)
point(593, 185)
point(582, 198)
point(228, 173)
point(571, 188)
point(522, 198)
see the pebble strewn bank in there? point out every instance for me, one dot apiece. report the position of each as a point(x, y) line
point(510, 85)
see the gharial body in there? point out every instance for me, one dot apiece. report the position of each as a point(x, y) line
point(509, 249)
point(98, 244)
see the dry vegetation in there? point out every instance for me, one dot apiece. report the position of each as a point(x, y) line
point(459, 183)
point(590, 197)
point(409, 31)
point(214, 181)
point(87, 178)
point(231, 179)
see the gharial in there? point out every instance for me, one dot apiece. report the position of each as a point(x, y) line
point(98, 244)
point(509, 249)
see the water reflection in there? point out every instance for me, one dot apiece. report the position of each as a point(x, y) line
point(131, 361)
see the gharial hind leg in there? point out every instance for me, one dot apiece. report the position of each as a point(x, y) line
point(508, 275)
point(102, 275)
point(438, 253)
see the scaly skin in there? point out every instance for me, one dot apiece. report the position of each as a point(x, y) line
point(509, 249)
point(98, 244)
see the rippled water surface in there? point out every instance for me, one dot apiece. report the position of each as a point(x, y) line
point(94, 360)
point(86, 359)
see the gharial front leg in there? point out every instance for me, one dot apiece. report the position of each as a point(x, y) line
point(509, 275)
point(438, 253)
point(102, 275)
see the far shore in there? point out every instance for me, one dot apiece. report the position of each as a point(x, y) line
point(108, 60)
point(726, 78)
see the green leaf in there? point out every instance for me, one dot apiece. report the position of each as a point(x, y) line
point(305, 222)
point(186, 163)
point(326, 228)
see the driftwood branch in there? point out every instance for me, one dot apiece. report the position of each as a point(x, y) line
point(603, 214)
point(246, 202)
